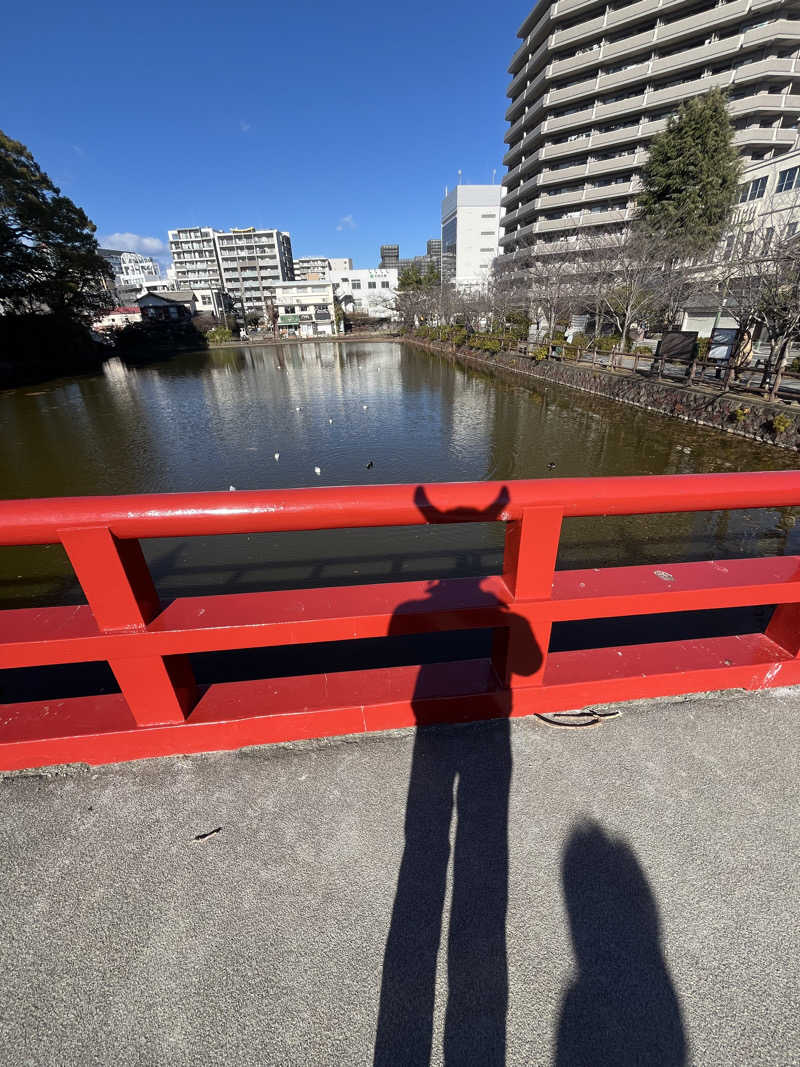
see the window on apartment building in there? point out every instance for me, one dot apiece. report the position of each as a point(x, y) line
point(356, 283)
point(490, 215)
point(371, 285)
point(384, 285)
point(754, 190)
point(487, 250)
point(787, 179)
point(729, 244)
point(791, 229)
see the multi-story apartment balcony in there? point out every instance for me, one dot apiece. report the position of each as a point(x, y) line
point(590, 81)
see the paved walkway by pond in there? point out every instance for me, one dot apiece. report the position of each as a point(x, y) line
point(491, 894)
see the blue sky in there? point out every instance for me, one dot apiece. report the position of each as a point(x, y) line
point(340, 123)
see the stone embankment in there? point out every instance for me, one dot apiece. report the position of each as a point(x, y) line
point(776, 423)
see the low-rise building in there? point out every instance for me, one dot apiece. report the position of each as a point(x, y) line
point(158, 307)
point(118, 317)
point(304, 308)
point(370, 291)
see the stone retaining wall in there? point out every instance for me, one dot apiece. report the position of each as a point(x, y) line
point(734, 413)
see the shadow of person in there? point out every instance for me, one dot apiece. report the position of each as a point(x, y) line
point(464, 774)
point(622, 1008)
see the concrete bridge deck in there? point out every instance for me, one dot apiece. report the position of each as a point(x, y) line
point(651, 878)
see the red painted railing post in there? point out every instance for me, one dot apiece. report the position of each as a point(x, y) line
point(519, 652)
point(119, 589)
point(784, 627)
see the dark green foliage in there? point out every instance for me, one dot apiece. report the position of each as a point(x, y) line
point(691, 177)
point(145, 339)
point(36, 347)
point(219, 335)
point(412, 278)
point(48, 253)
point(606, 342)
point(51, 274)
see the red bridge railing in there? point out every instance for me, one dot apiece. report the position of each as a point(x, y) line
point(161, 710)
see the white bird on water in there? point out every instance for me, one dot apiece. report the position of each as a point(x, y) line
point(298, 409)
point(317, 470)
point(277, 456)
point(365, 407)
point(330, 422)
point(231, 488)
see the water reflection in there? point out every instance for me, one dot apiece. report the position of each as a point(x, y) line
point(214, 419)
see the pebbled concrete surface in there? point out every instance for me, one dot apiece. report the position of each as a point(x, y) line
point(652, 874)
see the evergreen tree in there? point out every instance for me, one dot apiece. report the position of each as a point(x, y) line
point(691, 178)
point(49, 260)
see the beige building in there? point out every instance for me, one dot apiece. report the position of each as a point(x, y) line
point(593, 82)
point(304, 308)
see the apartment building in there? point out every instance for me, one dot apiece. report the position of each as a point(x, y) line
point(194, 257)
point(311, 266)
point(767, 212)
point(244, 262)
point(251, 261)
point(131, 271)
point(470, 233)
point(390, 257)
point(593, 82)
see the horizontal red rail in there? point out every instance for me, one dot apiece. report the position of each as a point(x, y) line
point(161, 710)
point(38, 522)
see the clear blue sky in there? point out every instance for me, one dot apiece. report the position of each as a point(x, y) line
point(341, 123)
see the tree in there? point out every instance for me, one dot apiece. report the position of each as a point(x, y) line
point(49, 261)
point(551, 288)
point(418, 296)
point(758, 280)
point(691, 177)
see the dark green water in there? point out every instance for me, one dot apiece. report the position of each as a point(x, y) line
point(215, 419)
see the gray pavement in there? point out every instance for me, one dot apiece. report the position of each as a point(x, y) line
point(652, 915)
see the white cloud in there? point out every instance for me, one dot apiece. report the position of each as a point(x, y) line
point(76, 148)
point(346, 222)
point(133, 242)
point(244, 125)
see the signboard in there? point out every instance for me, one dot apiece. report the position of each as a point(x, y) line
point(677, 345)
point(723, 343)
point(288, 320)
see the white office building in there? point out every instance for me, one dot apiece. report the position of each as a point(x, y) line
point(470, 233)
point(370, 291)
point(304, 308)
